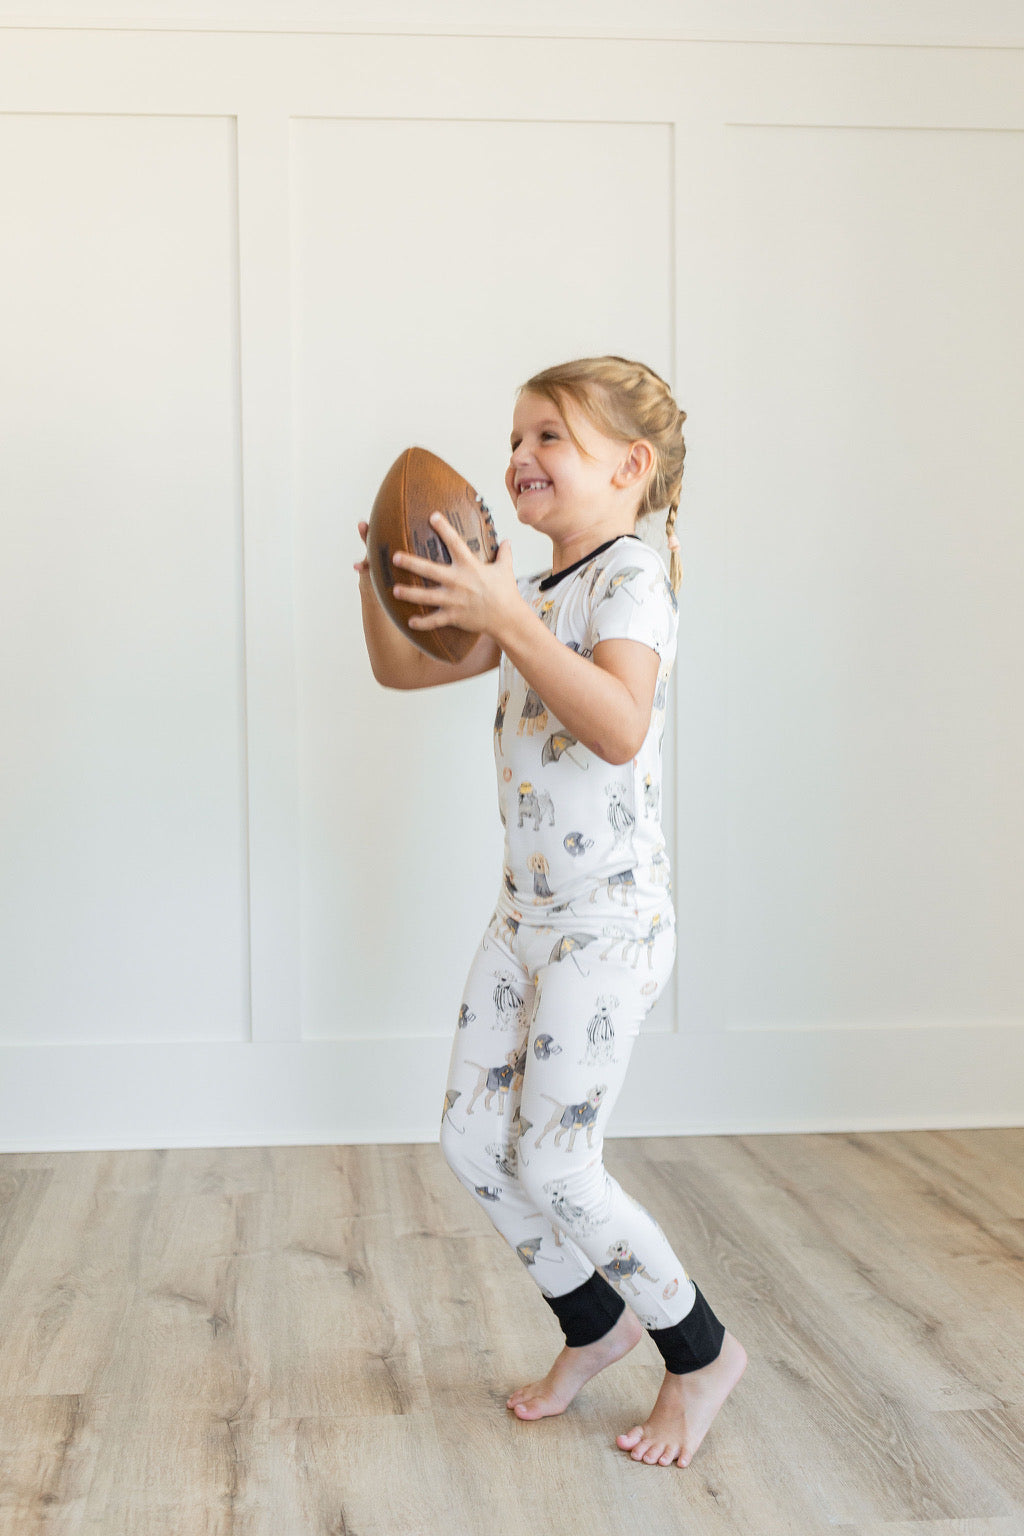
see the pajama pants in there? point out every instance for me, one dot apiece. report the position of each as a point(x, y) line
point(552, 1006)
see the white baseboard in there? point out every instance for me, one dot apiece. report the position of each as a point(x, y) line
point(117, 1096)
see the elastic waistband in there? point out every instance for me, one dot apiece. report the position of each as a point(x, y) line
point(593, 901)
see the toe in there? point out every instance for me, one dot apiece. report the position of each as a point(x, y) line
point(627, 1441)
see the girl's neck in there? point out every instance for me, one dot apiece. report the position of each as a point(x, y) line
point(570, 548)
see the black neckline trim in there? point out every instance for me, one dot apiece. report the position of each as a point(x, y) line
point(555, 577)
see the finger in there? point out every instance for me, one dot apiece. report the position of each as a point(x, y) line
point(432, 570)
point(439, 620)
point(424, 596)
point(453, 539)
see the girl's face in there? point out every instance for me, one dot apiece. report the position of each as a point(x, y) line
point(555, 488)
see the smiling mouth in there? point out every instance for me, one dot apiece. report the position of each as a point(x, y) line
point(532, 485)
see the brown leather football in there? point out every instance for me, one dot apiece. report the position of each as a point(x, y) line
point(417, 484)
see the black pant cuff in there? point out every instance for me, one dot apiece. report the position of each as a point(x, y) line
point(693, 1342)
point(587, 1313)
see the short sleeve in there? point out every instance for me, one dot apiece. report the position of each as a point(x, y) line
point(634, 600)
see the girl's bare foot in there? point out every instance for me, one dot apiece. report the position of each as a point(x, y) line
point(685, 1408)
point(573, 1368)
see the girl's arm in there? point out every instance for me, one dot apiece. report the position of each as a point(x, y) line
point(395, 661)
point(606, 703)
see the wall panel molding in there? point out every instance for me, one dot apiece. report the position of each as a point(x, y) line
point(272, 684)
point(316, 1055)
point(915, 23)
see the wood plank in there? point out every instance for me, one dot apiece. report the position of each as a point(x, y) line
point(949, 1272)
point(67, 1287)
point(897, 1460)
point(250, 1341)
point(853, 1262)
point(999, 1525)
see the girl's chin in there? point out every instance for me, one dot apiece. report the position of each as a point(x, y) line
point(528, 508)
point(529, 520)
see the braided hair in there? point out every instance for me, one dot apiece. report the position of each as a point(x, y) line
point(627, 400)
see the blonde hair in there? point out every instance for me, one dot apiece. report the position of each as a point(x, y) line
point(626, 400)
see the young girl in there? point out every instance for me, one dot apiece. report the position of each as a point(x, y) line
point(582, 940)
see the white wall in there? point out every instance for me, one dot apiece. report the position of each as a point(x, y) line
point(240, 269)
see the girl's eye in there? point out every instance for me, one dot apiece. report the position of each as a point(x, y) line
point(546, 433)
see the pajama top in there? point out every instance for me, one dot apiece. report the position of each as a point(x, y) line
point(573, 821)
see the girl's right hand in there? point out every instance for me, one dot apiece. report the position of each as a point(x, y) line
point(395, 660)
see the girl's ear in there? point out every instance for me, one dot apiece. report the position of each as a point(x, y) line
point(636, 465)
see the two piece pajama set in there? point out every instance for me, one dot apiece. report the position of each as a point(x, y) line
point(579, 948)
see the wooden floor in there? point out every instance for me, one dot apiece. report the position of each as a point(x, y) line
point(318, 1341)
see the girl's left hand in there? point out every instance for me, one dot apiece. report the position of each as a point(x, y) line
point(469, 594)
